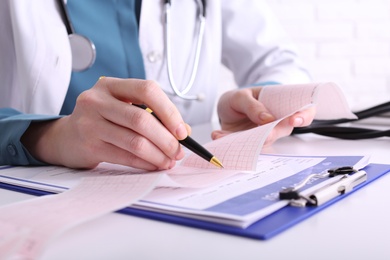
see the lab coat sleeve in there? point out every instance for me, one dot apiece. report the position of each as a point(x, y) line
point(13, 124)
point(256, 48)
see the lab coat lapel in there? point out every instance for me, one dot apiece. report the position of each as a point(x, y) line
point(43, 55)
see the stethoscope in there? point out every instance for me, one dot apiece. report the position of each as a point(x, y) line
point(202, 21)
point(331, 128)
point(84, 51)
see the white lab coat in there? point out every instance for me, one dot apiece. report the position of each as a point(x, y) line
point(35, 55)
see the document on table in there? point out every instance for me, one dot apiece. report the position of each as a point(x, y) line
point(230, 197)
point(245, 197)
point(243, 192)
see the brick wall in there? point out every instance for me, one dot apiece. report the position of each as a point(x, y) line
point(344, 41)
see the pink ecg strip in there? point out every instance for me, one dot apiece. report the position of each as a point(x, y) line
point(27, 227)
point(38, 220)
point(237, 151)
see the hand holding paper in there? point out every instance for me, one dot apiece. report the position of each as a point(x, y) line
point(240, 150)
point(241, 110)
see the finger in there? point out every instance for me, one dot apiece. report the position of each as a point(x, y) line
point(245, 102)
point(138, 145)
point(286, 126)
point(113, 154)
point(123, 114)
point(107, 142)
point(282, 129)
point(97, 151)
point(143, 123)
point(189, 130)
point(303, 118)
point(149, 93)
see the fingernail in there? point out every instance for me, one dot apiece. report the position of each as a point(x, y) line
point(170, 166)
point(298, 121)
point(265, 116)
point(181, 132)
point(180, 154)
point(173, 163)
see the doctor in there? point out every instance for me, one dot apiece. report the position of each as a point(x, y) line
point(51, 115)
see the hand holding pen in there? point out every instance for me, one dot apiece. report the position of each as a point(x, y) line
point(190, 143)
point(105, 127)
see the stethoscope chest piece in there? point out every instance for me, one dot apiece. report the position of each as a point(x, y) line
point(83, 49)
point(83, 52)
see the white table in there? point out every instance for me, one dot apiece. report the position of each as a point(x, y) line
point(355, 228)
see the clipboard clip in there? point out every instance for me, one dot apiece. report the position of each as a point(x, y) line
point(348, 179)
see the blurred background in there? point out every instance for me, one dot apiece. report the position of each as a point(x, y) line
point(343, 41)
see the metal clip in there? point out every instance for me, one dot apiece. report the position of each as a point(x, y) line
point(350, 178)
point(344, 185)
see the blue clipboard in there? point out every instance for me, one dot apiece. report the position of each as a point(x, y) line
point(263, 229)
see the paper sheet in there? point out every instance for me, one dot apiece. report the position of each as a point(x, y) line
point(240, 150)
point(26, 235)
point(27, 227)
point(58, 179)
point(282, 100)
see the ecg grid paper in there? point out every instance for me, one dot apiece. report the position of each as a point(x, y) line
point(28, 226)
point(328, 99)
point(240, 151)
point(282, 100)
point(237, 151)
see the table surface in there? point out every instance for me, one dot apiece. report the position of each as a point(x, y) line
point(354, 228)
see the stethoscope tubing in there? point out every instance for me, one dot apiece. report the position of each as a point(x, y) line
point(330, 128)
point(168, 56)
point(348, 133)
point(84, 51)
point(65, 16)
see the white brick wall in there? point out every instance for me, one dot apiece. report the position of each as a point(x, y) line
point(344, 41)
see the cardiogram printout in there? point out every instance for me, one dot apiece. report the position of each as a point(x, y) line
point(240, 150)
point(195, 188)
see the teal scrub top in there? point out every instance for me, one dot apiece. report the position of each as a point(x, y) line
point(112, 25)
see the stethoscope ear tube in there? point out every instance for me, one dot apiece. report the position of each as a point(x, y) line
point(176, 91)
point(330, 128)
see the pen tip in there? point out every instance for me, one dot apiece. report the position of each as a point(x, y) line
point(216, 162)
